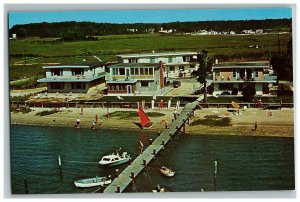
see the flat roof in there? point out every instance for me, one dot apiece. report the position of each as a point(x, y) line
point(241, 65)
point(67, 66)
point(131, 81)
point(62, 79)
point(134, 65)
point(137, 55)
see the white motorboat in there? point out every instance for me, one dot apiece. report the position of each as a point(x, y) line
point(167, 172)
point(92, 182)
point(115, 159)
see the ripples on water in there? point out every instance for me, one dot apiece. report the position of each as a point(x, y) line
point(244, 163)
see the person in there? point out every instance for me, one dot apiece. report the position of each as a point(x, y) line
point(96, 118)
point(141, 147)
point(161, 104)
point(175, 114)
point(107, 114)
point(255, 126)
point(94, 125)
point(81, 111)
point(77, 123)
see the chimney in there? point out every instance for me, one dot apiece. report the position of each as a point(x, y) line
point(161, 75)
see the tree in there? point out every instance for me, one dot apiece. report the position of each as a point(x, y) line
point(249, 92)
point(205, 64)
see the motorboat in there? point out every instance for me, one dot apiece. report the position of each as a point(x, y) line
point(92, 182)
point(167, 172)
point(115, 159)
point(158, 189)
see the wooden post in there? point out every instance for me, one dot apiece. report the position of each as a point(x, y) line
point(59, 166)
point(132, 175)
point(117, 173)
point(215, 176)
point(118, 189)
point(163, 142)
point(154, 151)
point(183, 128)
point(144, 162)
point(26, 186)
point(150, 140)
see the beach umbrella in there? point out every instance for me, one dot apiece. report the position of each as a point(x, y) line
point(235, 105)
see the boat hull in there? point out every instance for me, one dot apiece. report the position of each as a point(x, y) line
point(91, 182)
point(114, 163)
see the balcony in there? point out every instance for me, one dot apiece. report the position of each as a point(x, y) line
point(220, 79)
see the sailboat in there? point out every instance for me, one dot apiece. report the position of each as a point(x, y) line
point(145, 121)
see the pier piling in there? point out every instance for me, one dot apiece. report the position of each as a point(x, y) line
point(26, 186)
point(215, 176)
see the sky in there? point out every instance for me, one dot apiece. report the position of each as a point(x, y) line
point(149, 16)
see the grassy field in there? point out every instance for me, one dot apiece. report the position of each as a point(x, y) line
point(39, 51)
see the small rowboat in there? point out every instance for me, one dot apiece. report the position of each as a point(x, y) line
point(167, 172)
point(92, 182)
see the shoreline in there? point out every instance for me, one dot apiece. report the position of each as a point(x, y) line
point(280, 124)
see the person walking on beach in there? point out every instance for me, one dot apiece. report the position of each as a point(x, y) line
point(81, 110)
point(96, 118)
point(255, 126)
point(77, 123)
point(93, 125)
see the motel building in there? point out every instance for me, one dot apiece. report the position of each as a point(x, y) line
point(176, 64)
point(135, 79)
point(228, 76)
point(72, 78)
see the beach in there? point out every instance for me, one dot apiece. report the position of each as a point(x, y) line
point(277, 123)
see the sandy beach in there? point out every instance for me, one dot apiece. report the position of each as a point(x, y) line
point(280, 123)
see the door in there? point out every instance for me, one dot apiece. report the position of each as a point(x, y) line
point(129, 89)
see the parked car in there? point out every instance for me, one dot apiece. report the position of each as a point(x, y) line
point(176, 84)
point(225, 93)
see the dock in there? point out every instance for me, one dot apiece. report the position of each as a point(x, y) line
point(125, 178)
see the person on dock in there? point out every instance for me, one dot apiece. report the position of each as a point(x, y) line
point(77, 123)
point(161, 104)
point(141, 147)
point(175, 114)
point(166, 125)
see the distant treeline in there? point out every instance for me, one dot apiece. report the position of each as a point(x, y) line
point(86, 30)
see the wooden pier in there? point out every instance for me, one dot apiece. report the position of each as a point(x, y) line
point(125, 178)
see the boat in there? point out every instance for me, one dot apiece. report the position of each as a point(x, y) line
point(115, 159)
point(158, 189)
point(167, 172)
point(145, 121)
point(92, 182)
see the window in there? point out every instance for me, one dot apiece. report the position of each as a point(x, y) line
point(217, 72)
point(132, 60)
point(152, 60)
point(121, 87)
point(186, 58)
point(56, 72)
point(256, 73)
point(113, 87)
point(136, 71)
point(150, 71)
point(114, 71)
point(77, 71)
point(144, 83)
point(146, 71)
point(132, 71)
point(57, 85)
point(122, 71)
point(234, 73)
point(78, 85)
point(181, 68)
point(225, 86)
point(172, 68)
point(170, 60)
point(142, 71)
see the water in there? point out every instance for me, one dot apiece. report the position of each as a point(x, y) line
point(244, 163)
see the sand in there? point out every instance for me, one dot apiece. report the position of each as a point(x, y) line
point(280, 123)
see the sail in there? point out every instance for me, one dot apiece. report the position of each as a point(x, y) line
point(145, 121)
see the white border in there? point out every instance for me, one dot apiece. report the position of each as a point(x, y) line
point(21, 5)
